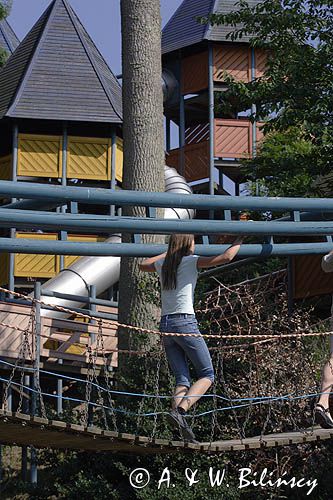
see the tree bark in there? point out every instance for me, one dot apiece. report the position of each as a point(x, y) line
point(143, 145)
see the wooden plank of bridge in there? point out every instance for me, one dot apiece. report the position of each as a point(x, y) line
point(22, 429)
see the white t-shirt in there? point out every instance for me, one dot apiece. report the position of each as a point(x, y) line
point(180, 299)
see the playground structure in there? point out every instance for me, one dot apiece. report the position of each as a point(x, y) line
point(61, 170)
point(8, 38)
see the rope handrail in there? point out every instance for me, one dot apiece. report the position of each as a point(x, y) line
point(139, 329)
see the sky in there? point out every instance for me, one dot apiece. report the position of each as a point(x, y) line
point(101, 19)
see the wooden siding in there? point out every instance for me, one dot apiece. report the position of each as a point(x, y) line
point(36, 266)
point(309, 279)
point(196, 160)
point(195, 73)
point(234, 60)
point(233, 138)
point(119, 159)
point(40, 266)
point(261, 62)
point(6, 168)
point(89, 158)
point(61, 338)
point(39, 155)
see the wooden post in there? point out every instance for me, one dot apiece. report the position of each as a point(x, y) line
point(181, 122)
point(211, 122)
point(253, 107)
point(36, 377)
point(11, 280)
point(24, 457)
point(113, 165)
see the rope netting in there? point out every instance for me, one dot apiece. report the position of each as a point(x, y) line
point(267, 366)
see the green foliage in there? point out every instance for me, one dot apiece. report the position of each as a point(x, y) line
point(5, 6)
point(286, 165)
point(296, 92)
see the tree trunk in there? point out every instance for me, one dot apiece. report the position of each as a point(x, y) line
point(143, 146)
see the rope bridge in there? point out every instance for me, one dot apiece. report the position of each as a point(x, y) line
point(267, 366)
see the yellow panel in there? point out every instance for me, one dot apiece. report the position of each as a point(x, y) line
point(40, 155)
point(51, 344)
point(4, 268)
point(36, 266)
point(70, 259)
point(88, 158)
point(76, 349)
point(119, 159)
point(6, 168)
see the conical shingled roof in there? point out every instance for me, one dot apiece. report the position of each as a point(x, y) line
point(183, 29)
point(57, 73)
point(8, 39)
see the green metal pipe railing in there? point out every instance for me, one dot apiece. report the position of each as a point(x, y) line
point(21, 219)
point(148, 250)
point(152, 199)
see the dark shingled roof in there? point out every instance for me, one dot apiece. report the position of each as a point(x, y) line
point(183, 30)
point(8, 39)
point(57, 73)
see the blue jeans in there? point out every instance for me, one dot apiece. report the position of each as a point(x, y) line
point(180, 349)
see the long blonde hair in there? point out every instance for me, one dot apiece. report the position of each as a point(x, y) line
point(179, 246)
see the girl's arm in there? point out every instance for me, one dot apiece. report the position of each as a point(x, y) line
point(147, 265)
point(224, 258)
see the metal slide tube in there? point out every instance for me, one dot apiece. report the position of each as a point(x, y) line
point(103, 272)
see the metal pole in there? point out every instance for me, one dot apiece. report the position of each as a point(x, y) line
point(59, 392)
point(37, 333)
point(64, 155)
point(181, 122)
point(63, 237)
point(142, 225)
point(63, 234)
point(11, 281)
point(93, 309)
point(113, 165)
point(10, 399)
point(290, 286)
point(36, 376)
point(24, 463)
point(211, 122)
point(253, 107)
point(141, 198)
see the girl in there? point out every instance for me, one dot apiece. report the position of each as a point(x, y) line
point(323, 416)
point(178, 272)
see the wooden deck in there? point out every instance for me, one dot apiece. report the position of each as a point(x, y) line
point(21, 429)
point(60, 338)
